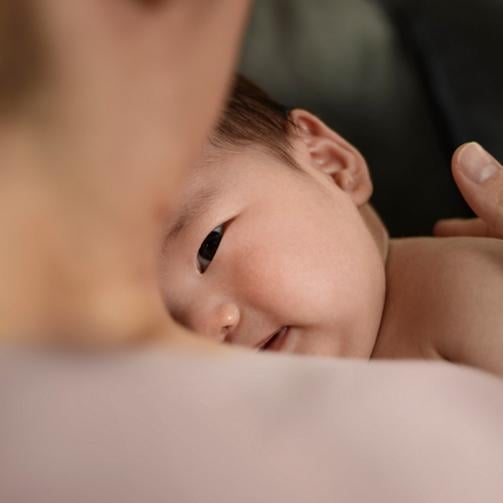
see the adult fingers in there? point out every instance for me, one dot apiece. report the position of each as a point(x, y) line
point(479, 177)
point(461, 227)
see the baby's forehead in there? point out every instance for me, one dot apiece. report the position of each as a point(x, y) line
point(205, 185)
point(238, 158)
point(206, 174)
point(212, 171)
point(216, 155)
point(215, 173)
point(236, 168)
point(192, 203)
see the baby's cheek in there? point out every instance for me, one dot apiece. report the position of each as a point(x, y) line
point(262, 278)
point(288, 280)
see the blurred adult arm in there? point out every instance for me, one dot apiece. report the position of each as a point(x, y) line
point(156, 426)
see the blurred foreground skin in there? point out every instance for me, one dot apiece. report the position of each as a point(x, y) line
point(159, 426)
point(93, 140)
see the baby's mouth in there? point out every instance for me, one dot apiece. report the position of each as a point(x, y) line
point(270, 342)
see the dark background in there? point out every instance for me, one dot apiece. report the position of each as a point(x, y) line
point(405, 81)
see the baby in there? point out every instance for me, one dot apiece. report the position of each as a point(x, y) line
point(275, 247)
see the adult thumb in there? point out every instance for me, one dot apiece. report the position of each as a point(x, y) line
point(479, 177)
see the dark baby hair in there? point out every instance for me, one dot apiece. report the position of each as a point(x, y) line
point(251, 117)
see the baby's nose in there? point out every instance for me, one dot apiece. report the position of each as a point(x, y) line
point(220, 321)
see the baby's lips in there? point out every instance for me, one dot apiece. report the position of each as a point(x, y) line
point(263, 342)
point(275, 341)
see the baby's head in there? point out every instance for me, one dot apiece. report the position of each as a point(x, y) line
point(274, 245)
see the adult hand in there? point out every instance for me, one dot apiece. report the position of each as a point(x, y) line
point(479, 177)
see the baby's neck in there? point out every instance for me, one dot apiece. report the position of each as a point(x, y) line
point(397, 337)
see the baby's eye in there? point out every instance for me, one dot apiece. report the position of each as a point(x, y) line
point(209, 248)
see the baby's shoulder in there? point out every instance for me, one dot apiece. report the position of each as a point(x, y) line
point(452, 289)
point(448, 265)
point(445, 255)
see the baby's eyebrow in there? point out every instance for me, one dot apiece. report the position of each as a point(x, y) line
point(192, 209)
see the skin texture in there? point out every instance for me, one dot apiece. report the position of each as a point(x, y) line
point(446, 291)
point(295, 250)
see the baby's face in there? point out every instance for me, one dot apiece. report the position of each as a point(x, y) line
point(271, 257)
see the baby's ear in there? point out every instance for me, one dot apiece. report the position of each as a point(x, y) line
point(333, 155)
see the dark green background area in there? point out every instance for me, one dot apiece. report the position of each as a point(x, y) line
point(404, 81)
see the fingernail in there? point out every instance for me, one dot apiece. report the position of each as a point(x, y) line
point(477, 164)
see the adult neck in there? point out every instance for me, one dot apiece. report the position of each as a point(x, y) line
point(70, 270)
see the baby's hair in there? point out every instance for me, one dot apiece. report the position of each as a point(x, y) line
point(251, 117)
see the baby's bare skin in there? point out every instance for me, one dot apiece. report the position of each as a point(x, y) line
point(443, 301)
